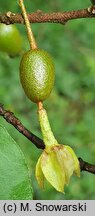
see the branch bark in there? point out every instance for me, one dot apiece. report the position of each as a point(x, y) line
point(13, 120)
point(41, 17)
point(85, 166)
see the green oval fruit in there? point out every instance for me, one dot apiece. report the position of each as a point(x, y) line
point(37, 74)
point(10, 39)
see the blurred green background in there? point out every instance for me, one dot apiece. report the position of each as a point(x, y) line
point(71, 105)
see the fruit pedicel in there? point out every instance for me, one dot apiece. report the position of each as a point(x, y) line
point(57, 162)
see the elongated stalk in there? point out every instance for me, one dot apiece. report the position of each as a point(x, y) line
point(47, 133)
point(31, 38)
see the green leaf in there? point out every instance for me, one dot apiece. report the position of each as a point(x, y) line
point(14, 177)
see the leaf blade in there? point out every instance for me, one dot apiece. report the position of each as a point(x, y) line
point(14, 178)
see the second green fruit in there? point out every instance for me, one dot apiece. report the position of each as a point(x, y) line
point(37, 74)
point(10, 39)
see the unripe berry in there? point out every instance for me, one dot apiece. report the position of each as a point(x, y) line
point(10, 39)
point(37, 74)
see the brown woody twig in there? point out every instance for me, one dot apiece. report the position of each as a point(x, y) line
point(13, 120)
point(85, 166)
point(41, 17)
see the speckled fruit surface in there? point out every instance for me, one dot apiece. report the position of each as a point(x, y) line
point(37, 74)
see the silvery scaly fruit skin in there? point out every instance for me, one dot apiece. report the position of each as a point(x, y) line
point(37, 74)
point(10, 39)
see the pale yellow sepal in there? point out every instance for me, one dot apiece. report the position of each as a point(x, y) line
point(66, 162)
point(76, 161)
point(52, 170)
point(57, 165)
point(48, 167)
point(39, 173)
